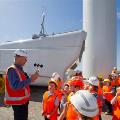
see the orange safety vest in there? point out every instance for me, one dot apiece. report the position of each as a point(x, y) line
point(100, 90)
point(71, 113)
point(118, 81)
point(108, 96)
point(48, 105)
point(16, 97)
point(116, 110)
point(113, 82)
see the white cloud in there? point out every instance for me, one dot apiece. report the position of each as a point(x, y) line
point(118, 15)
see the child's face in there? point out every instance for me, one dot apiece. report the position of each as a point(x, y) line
point(90, 88)
point(66, 89)
point(106, 83)
point(52, 86)
point(72, 88)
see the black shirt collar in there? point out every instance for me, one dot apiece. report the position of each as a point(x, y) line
point(19, 67)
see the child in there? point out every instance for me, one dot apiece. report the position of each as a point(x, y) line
point(83, 106)
point(50, 101)
point(93, 88)
point(108, 95)
point(65, 94)
point(116, 105)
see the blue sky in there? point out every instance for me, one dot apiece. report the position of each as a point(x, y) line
point(19, 19)
point(118, 30)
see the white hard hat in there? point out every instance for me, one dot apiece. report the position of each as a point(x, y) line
point(55, 76)
point(52, 81)
point(93, 81)
point(21, 52)
point(85, 103)
point(77, 71)
point(114, 74)
point(115, 68)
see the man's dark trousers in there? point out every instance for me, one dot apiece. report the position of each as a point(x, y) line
point(20, 111)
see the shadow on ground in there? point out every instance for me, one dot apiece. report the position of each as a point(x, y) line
point(1, 100)
point(37, 93)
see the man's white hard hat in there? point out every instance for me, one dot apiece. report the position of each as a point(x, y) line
point(77, 71)
point(21, 52)
point(55, 76)
point(85, 103)
point(93, 81)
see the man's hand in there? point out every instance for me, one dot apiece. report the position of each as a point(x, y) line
point(34, 76)
point(48, 116)
point(118, 94)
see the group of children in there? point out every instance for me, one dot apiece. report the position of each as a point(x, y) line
point(79, 99)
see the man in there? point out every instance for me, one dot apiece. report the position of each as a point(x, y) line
point(17, 91)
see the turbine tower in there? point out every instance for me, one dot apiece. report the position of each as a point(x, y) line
point(99, 21)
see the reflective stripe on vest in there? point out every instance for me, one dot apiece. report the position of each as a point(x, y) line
point(7, 97)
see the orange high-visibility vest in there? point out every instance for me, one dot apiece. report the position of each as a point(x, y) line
point(16, 97)
point(100, 101)
point(113, 82)
point(100, 90)
point(71, 113)
point(48, 105)
point(118, 81)
point(116, 110)
point(108, 96)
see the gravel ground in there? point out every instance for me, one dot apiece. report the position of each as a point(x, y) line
point(6, 112)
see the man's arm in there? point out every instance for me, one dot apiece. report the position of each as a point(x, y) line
point(14, 80)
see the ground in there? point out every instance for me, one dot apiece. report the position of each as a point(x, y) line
point(6, 112)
